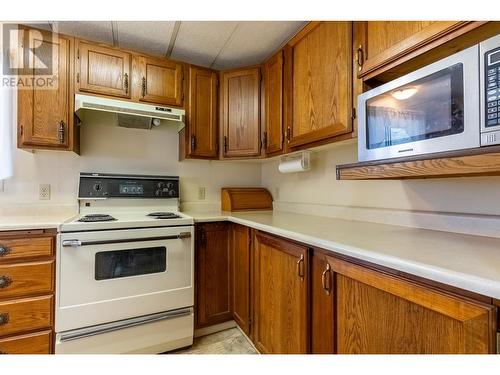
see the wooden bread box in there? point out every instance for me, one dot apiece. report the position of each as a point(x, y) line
point(246, 199)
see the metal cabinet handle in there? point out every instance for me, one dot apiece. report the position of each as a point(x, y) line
point(61, 131)
point(360, 57)
point(4, 318)
point(326, 285)
point(4, 250)
point(193, 142)
point(5, 281)
point(143, 87)
point(300, 267)
point(125, 82)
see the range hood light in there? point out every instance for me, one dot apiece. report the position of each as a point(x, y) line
point(404, 94)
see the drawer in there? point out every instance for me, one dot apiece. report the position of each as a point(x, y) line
point(17, 316)
point(26, 278)
point(32, 343)
point(18, 248)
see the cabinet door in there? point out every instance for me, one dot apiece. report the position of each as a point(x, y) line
point(387, 41)
point(377, 313)
point(45, 113)
point(161, 81)
point(241, 113)
point(202, 113)
point(240, 244)
point(320, 85)
point(322, 305)
point(213, 284)
point(103, 70)
point(280, 296)
point(273, 78)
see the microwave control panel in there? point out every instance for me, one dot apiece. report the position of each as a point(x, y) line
point(492, 87)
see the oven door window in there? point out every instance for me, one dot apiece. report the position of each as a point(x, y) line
point(133, 262)
point(426, 108)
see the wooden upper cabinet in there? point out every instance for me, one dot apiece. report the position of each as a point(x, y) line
point(103, 70)
point(202, 114)
point(281, 286)
point(273, 80)
point(377, 313)
point(319, 83)
point(160, 81)
point(390, 43)
point(213, 274)
point(45, 113)
point(240, 112)
point(240, 245)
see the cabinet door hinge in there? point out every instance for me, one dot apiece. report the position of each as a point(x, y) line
point(288, 133)
point(193, 143)
point(21, 130)
point(353, 113)
point(78, 54)
point(226, 144)
point(77, 77)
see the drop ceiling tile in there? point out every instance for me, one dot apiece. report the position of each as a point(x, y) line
point(199, 42)
point(98, 31)
point(253, 41)
point(152, 37)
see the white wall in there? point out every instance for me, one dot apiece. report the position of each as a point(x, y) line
point(478, 195)
point(109, 148)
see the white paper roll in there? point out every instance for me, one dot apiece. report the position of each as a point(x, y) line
point(290, 166)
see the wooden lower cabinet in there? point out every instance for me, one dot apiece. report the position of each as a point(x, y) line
point(359, 310)
point(213, 274)
point(280, 293)
point(31, 343)
point(241, 251)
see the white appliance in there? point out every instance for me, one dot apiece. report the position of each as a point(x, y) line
point(452, 104)
point(125, 278)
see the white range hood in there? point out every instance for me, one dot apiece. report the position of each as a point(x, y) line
point(130, 114)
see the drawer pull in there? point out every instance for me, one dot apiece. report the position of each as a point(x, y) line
point(4, 318)
point(4, 250)
point(326, 284)
point(5, 281)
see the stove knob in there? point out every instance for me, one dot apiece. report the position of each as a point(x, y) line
point(171, 193)
point(170, 185)
point(158, 193)
point(97, 187)
point(161, 185)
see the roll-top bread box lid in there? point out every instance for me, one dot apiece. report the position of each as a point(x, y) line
point(246, 199)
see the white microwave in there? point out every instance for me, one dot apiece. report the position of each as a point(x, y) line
point(452, 104)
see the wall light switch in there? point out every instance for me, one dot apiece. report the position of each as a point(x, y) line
point(201, 193)
point(44, 192)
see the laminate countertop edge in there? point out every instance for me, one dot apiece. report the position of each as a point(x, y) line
point(481, 275)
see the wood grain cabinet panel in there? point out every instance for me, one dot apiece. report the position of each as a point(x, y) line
point(45, 113)
point(273, 79)
point(32, 343)
point(240, 245)
point(21, 279)
point(103, 70)
point(240, 112)
point(281, 283)
point(202, 114)
point(16, 248)
point(160, 81)
point(28, 314)
point(213, 284)
point(377, 313)
point(319, 83)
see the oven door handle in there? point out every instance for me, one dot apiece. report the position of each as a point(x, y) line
point(78, 243)
point(115, 326)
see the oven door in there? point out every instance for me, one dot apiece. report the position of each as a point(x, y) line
point(433, 109)
point(106, 276)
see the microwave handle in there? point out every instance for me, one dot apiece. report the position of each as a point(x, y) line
point(78, 243)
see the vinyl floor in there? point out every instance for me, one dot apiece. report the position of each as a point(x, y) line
point(229, 341)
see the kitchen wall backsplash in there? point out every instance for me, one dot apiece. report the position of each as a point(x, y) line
point(109, 148)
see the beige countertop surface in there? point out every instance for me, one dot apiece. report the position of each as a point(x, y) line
point(464, 261)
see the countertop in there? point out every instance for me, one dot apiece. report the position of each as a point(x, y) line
point(464, 261)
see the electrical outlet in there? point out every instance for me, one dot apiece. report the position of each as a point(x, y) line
point(201, 193)
point(44, 192)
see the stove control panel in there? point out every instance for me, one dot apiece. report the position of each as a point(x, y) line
point(100, 186)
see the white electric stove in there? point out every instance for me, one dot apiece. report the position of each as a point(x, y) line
point(125, 279)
